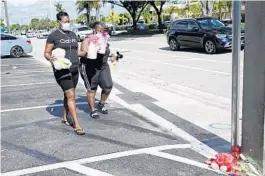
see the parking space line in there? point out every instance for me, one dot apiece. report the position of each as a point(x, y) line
point(85, 170)
point(66, 164)
point(183, 66)
point(29, 84)
point(131, 152)
point(175, 56)
point(38, 107)
point(9, 65)
point(182, 160)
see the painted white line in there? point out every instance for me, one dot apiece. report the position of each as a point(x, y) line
point(183, 66)
point(29, 84)
point(131, 152)
point(38, 107)
point(94, 159)
point(172, 55)
point(166, 125)
point(85, 170)
point(12, 65)
point(34, 170)
point(182, 160)
point(25, 72)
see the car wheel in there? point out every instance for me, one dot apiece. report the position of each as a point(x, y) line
point(209, 46)
point(16, 51)
point(173, 43)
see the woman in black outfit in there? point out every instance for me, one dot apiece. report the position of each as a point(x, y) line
point(66, 78)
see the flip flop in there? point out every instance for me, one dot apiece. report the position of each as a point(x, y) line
point(66, 123)
point(80, 131)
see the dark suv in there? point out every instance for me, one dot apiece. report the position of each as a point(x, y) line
point(208, 33)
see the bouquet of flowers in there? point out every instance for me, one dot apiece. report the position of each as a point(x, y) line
point(97, 44)
point(61, 62)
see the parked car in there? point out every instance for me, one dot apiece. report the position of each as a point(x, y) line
point(208, 33)
point(82, 31)
point(14, 46)
point(42, 34)
point(23, 33)
point(30, 35)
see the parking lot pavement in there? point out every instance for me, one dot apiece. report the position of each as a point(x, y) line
point(35, 142)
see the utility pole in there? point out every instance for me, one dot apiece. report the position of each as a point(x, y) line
point(6, 15)
point(236, 74)
point(253, 123)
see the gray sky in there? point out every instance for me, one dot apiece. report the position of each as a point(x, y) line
point(22, 11)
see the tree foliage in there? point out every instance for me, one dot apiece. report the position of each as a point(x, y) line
point(135, 8)
point(2, 23)
point(158, 6)
point(87, 6)
point(59, 7)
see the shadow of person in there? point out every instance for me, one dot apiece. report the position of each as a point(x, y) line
point(56, 109)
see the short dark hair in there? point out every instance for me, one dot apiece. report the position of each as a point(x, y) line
point(96, 24)
point(60, 15)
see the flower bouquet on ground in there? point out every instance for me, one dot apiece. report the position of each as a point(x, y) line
point(61, 62)
point(233, 164)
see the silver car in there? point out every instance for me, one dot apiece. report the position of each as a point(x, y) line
point(14, 46)
point(82, 32)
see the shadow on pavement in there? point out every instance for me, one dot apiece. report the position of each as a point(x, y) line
point(24, 56)
point(195, 50)
point(204, 136)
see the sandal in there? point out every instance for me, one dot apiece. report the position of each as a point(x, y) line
point(66, 123)
point(80, 131)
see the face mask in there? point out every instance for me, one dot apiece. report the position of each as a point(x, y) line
point(66, 27)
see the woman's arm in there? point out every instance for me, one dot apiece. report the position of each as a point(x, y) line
point(48, 52)
point(84, 48)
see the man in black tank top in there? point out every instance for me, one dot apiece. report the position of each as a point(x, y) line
point(96, 72)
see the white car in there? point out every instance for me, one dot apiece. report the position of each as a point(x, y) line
point(42, 34)
point(14, 46)
point(82, 31)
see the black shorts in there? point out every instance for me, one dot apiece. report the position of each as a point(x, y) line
point(94, 77)
point(67, 79)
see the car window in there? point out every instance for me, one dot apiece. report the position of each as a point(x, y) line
point(12, 38)
point(191, 25)
point(83, 29)
point(181, 26)
point(4, 37)
point(7, 37)
point(210, 23)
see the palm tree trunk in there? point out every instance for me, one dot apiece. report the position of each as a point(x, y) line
point(97, 14)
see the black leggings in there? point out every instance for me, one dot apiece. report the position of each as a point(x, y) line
point(66, 79)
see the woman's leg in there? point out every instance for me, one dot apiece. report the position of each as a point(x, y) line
point(70, 95)
point(65, 109)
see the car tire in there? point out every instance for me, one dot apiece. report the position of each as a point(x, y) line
point(210, 46)
point(16, 52)
point(173, 44)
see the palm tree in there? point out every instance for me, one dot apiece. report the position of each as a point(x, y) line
point(87, 5)
point(59, 7)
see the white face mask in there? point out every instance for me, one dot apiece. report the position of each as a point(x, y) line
point(66, 27)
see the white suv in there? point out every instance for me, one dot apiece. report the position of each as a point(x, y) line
point(82, 31)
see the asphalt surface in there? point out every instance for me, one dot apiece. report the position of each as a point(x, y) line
point(35, 142)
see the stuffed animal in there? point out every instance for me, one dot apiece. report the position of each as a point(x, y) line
point(61, 62)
